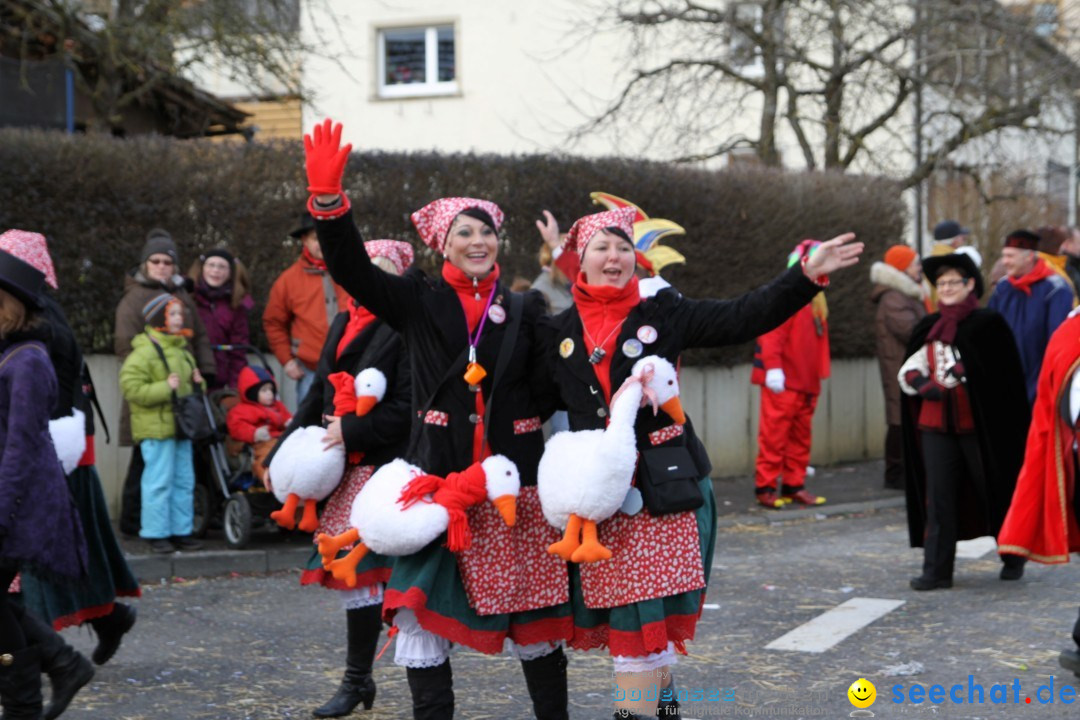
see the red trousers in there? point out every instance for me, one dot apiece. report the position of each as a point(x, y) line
point(784, 439)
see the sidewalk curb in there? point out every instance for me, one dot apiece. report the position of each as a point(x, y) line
point(777, 517)
point(210, 563)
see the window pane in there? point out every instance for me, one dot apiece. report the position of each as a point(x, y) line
point(446, 54)
point(404, 56)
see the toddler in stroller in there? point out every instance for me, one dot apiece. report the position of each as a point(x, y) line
point(259, 417)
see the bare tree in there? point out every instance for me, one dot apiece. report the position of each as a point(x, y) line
point(874, 85)
point(120, 51)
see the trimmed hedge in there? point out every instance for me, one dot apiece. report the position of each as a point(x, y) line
point(96, 197)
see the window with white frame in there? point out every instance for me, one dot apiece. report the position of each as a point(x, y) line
point(417, 61)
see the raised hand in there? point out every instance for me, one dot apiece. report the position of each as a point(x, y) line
point(324, 158)
point(549, 230)
point(833, 255)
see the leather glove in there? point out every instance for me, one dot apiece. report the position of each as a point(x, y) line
point(927, 388)
point(262, 434)
point(774, 380)
point(325, 159)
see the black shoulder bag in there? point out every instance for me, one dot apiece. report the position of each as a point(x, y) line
point(192, 415)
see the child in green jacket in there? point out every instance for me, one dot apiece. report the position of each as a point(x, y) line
point(168, 480)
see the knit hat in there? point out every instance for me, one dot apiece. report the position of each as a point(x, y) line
point(582, 231)
point(433, 221)
point(948, 229)
point(1022, 239)
point(221, 253)
point(158, 242)
point(154, 310)
point(398, 252)
point(900, 257)
point(33, 249)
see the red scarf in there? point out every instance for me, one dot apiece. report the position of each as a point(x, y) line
point(457, 492)
point(951, 316)
point(1041, 271)
point(359, 318)
point(603, 308)
point(320, 264)
point(468, 293)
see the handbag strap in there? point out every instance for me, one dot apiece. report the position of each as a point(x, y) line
point(17, 350)
point(161, 354)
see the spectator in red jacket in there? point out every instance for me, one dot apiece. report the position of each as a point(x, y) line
point(303, 302)
point(259, 417)
point(789, 363)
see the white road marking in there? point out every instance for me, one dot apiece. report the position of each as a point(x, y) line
point(711, 606)
point(973, 549)
point(833, 626)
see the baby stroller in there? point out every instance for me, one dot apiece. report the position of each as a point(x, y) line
point(228, 492)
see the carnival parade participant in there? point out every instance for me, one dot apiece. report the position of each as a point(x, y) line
point(358, 340)
point(471, 347)
point(789, 364)
point(591, 349)
point(1043, 522)
point(39, 525)
point(964, 420)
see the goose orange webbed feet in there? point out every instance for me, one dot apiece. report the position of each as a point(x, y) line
point(591, 550)
point(310, 520)
point(286, 516)
point(344, 569)
point(330, 545)
point(571, 540)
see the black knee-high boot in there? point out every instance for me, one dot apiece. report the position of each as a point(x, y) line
point(67, 669)
point(668, 705)
point(546, 679)
point(363, 628)
point(432, 692)
point(20, 684)
point(111, 630)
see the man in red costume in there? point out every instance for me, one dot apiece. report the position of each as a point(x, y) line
point(789, 363)
point(1042, 520)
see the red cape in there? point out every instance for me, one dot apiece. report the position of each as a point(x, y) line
point(1041, 523)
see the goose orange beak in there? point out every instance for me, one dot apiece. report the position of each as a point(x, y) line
point(507, 507)
point(364, 403)
point(673, 407)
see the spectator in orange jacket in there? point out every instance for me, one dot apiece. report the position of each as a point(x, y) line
point(789, 363)
point(260, 416)
point(303, 302)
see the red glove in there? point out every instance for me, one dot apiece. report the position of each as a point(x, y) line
point(344, 393)
point(325, 159)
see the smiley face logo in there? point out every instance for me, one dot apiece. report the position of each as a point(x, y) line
point(862, 693)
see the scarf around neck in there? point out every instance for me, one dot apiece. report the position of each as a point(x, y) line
point(951, 316)
point(602, 309)
point(473, 297)
point(1041, 271)
point(359, 318)
point(318, 264)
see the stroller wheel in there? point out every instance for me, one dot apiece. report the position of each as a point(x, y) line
point(201, 520)
point(237, 520)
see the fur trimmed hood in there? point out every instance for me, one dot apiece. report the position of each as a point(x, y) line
point(885, 277)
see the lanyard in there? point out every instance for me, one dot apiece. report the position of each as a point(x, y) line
point(474, 373)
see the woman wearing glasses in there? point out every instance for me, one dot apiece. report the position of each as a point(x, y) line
point(157, 273)
point(965, 420)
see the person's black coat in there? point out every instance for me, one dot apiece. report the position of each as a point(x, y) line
point(382, 434)
point(72, 376)
point(428, 314)
point(680, 324)
point(998, 395)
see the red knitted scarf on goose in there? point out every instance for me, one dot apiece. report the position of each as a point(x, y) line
point(457, 492)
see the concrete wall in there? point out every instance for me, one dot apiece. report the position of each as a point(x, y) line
point(849, 423)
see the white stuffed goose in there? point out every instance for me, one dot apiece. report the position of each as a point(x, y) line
point(584, 476)
point(304, 470)
point(401, 509)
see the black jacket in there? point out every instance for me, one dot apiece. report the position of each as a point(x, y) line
point(428, 314)
point(72, 375)
point(998, 394)
point(383, 433)
point(680, 324)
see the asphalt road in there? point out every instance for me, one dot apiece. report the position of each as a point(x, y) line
point(262, 647)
